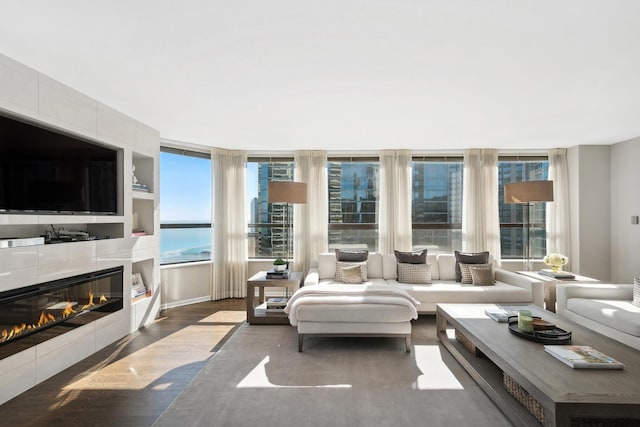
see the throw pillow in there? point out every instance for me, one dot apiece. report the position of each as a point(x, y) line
point(465, 269)
point(352, 255)
point(482, 275)
point(636, 291)
point(418, 257)
point(340, 265)
point(414, 273)
point(352, 274)
point(469, 258)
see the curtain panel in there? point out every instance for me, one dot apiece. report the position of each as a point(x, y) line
point(394, 204)
point(558, 220)
point(480, 216)
point(229, 224)
point(311, 220)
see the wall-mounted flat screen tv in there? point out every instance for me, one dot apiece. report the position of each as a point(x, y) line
point(46, 171)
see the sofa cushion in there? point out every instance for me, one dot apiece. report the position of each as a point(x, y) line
point(418, 257)
point(454, 292)
point(617, 314)
point(374, 265)
point(340, 266)
point(352, 255)
point(327, 265)
point(446, 267)
point(469, 258)
point(414, 273)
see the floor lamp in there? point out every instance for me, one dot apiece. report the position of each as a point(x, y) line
point(527, 193)
point(287, 192)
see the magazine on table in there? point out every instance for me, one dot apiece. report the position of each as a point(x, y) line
point(583, 357)
point(500, 314)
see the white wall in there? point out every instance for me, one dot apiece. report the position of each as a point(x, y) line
point(625, 202)
point(589, 181)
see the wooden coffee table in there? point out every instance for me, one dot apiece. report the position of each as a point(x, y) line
point(547, 391)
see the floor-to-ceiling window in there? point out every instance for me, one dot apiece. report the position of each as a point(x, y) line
point(353, 202)
point(269, 236)
point(185, 195)
point(512, 216)
point(436, 203)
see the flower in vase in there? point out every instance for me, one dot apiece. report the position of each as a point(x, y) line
point(555, 261)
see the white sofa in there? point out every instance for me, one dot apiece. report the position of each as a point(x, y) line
point(510, 287)
point(603, 308)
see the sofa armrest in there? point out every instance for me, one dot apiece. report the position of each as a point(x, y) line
point(534, 286)
point(566, 291)
point(312, 278)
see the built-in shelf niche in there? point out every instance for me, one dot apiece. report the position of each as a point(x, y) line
point(110, 230)
point(143, 171)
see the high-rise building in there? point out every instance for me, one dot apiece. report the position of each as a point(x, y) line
point(272, 239)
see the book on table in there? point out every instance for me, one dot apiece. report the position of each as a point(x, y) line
point(558, 275)
point(500, 314)
point(282, 274)
point(277, 303)
point(583, 357)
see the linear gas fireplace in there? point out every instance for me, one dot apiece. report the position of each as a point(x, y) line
point(34, 314)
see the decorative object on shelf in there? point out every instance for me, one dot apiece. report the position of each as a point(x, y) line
point(547, 336)
point(282, 274)
point(279, 264)
point(137, 285)
point(526, 193)
point(555, 261)
point(134, 181)
point(286, 192)
point(582, 357)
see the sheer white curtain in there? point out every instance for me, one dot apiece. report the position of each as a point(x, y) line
point(394, 204)
point(558, 222)
point(229, 224)
point(480, 217)
point(311, 220)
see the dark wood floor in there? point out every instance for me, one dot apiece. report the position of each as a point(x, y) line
point(131, 382)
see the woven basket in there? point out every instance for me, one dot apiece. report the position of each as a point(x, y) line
point(636, 291)
point(466, 343)
point(521, 395)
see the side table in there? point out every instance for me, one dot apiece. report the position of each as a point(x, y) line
point(260, 281)
point(550, 286)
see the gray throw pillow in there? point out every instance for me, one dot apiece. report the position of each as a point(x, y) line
point(418, 257)
point(636, 291)
point(482, 274)
point(352, 255)
point(469, 258)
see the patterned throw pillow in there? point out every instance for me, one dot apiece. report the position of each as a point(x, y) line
point(465, 269)
point(340, 265)
point(469, 258)
point(414, 273)
point(481, 275)
point(636, 291)
point(352, 274)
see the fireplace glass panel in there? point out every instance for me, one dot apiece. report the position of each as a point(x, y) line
point(31, 315)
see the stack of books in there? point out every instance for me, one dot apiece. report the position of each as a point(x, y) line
point(582, 357)
point(558, 275)
point(140, 187)
point(276, 305)
point(283, 274)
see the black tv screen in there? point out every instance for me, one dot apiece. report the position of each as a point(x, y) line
point(45, 171)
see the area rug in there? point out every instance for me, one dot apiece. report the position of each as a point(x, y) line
point(259, 378)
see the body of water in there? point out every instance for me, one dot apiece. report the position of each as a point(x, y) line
point(184, 244)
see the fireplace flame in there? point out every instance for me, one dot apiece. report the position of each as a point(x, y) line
point(46, 318)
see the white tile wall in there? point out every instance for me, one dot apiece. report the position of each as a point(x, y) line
point(67, 108)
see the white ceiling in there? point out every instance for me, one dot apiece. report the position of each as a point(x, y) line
point(347, 74)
